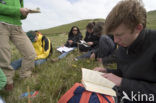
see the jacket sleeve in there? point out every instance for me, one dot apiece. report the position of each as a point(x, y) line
point(46, 49)
point(96, 41)
point(9, 10)
point(115, 71)
point(2, 79)
point(144, 87)
point(86, 36)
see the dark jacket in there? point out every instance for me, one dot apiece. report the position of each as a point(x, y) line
point(75, 39)
point(105, 47)
point(137, 65)
point(91, 38)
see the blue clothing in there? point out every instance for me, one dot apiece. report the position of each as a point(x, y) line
point(17, 64)
point(65, 53)
point(85, 56)
point(93, 98)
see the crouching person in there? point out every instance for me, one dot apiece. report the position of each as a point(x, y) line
point(43, 48)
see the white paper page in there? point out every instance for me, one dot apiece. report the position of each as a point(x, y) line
point(64, 49)
point(98, 89)
point(96, 77)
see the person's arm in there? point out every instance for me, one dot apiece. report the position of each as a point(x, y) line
point(96, 41)
point(114, 71)
point(144, 87)
point(46, 46)
point(3, 79)
point(86, 37)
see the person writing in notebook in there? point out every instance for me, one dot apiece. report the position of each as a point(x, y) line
point(136, 55)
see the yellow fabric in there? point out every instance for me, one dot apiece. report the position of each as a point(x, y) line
point(41, 53)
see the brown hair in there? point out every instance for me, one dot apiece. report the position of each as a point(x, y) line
point(90, 25)
point(129, 12)
point(98, 28)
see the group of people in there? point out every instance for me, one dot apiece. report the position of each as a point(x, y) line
point(123, 37)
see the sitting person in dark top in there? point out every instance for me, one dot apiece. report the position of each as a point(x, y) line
point(74, 38)
point(104, 47)
point(90, 39)
point(135, 76)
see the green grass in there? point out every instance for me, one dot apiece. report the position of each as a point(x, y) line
point(54, 79)
point(51, 79)
point(151, 19)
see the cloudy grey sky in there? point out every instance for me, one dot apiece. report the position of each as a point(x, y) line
point(58, 12)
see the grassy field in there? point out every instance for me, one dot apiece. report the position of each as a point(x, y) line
point(53, 79)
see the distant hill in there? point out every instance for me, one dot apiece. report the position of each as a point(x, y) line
point(151, 23)
point(66, 27)
point(151, 19)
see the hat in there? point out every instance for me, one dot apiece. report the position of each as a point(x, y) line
point(31, 35)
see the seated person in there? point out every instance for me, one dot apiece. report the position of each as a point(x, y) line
point(74, 37)
point(42, 45)
point(136, 56)
point(90, 39)
point(106, 52)
point(105, 46)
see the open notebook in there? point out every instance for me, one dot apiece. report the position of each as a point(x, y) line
point(94, 82)
point(64, 49)
point(82, 42)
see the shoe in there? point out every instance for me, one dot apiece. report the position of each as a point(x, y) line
point(9, 87)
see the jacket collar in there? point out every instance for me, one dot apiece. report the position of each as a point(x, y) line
point(137, 45)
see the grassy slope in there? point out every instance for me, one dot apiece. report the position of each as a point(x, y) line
point(151, 20)
point(54, 79)
point(66, 27)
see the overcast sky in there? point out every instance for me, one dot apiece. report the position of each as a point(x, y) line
point(58, 12)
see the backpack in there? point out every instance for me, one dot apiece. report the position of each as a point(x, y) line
point(51, 47)
point(78, 94)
